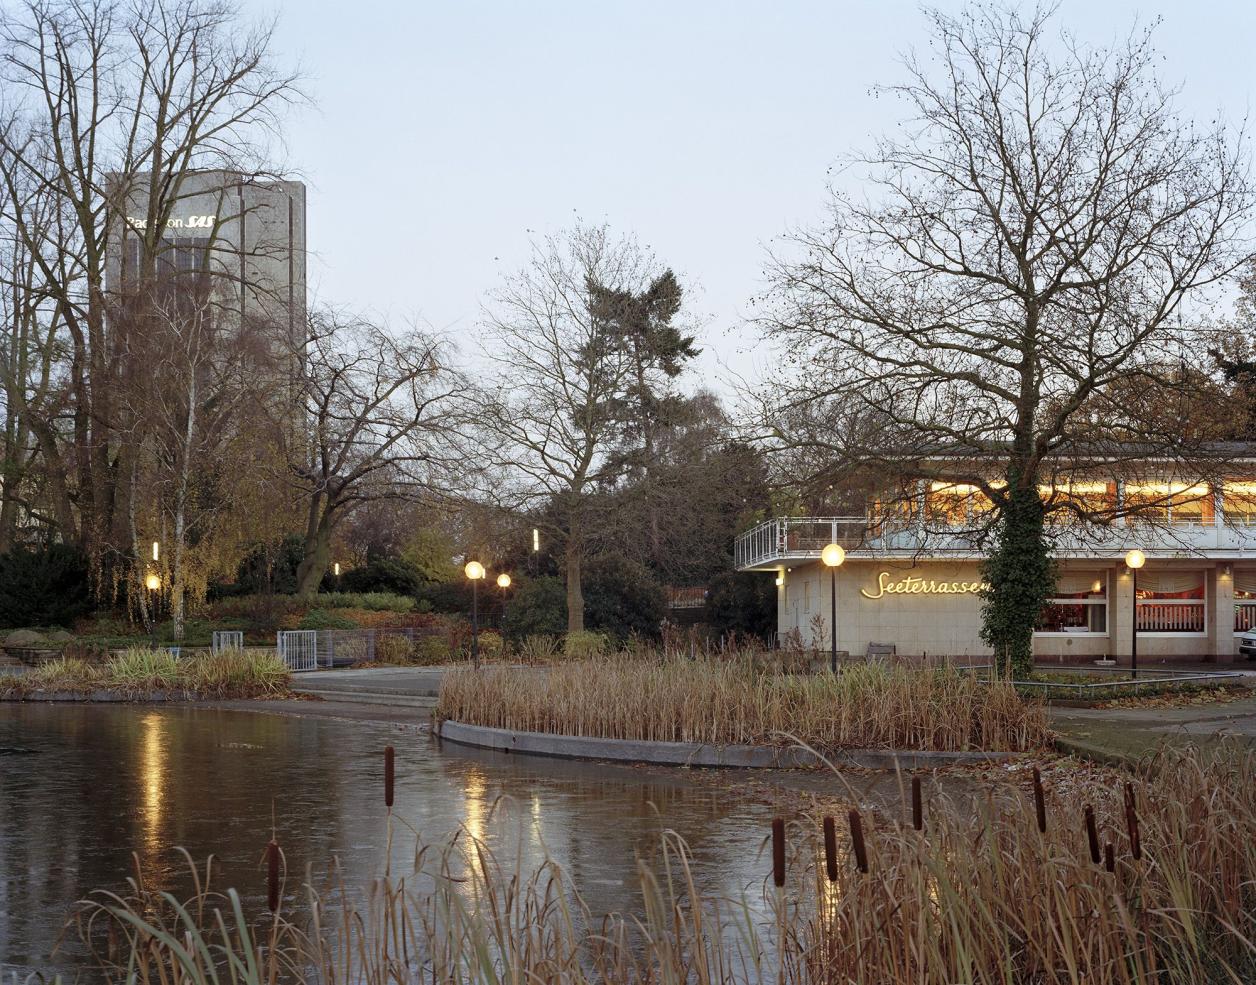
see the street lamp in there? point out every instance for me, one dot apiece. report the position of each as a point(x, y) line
point(152, 581)
point(1134, 560)
point(503, 582)
point(475, 572)
point(833, 556)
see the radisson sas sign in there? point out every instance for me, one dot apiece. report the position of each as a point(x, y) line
point(175, 222)
point(916, 585)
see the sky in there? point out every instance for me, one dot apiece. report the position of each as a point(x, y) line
point(443, 137)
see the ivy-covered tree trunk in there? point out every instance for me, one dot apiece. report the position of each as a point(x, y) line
point(1021, 577)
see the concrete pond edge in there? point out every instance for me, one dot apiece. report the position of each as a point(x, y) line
point(697, 754)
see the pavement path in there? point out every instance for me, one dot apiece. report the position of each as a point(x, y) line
point(1135, 731)
point(398, 687)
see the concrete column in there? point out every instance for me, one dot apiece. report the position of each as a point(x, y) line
point(1221, 612)
point(1121, 615)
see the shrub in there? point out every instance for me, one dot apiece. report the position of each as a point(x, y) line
point(271, 568)
point(371, 601)
point(142, 669)
point(64, 674)
point(25, 639)
point(585, 645)
point(431, 650)
point(240, 673)
point(491, 645)
point(392, 649)
point(622, 597)
point(379, 575)
point(538, 607)
point(323, 619)
point(538, 650)
point(43, 587)
point(744, 603)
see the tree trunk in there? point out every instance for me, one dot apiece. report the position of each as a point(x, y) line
point(317, 550)
point(575, 594)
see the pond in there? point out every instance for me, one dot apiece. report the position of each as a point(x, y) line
point(82, 787)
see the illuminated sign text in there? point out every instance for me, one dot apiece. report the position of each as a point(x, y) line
point(916, 585)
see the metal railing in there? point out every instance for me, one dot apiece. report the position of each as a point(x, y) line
point(310, 649)
point(1171, 617)
point(783, 539)
point(1244, 616)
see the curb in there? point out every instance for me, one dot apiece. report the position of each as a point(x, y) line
point(696, 754)
point(412, 699)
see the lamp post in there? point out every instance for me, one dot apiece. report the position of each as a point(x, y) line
point(153, 583)
point(475, 572)
point(833, 556)
point(1134, 560)
point(503, 582)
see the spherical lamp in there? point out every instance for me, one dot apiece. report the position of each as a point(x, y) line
point(833, 555)
point(1135, 559)
point(474, 570)
point(503, 580)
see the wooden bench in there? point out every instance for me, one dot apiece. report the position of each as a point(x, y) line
point(878, 652)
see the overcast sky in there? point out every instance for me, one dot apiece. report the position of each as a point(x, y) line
point(444, 136)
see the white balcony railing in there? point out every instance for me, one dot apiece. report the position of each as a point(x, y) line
point(1171, 617)
point(1244, 616)
point(786, 539)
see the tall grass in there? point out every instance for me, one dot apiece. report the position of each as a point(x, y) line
point(730, 702)
point(231, 673)
point(983, 899)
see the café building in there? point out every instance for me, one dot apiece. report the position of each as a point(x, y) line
point(912, 580)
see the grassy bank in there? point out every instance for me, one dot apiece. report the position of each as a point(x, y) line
point(230, 674)
point(980, 897)
point(732, 701)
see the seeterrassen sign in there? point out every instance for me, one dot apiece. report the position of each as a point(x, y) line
point(917, 585)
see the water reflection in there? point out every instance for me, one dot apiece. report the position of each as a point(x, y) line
point(153, 782)
point(104, 781)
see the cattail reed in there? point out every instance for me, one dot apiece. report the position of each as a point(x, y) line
point(1092, 834)
point(917, 805)
point(1040, 801)
point(272, 875)
point(1131, 823)
point(1109, 857)
point(830, 849)
point(857, 840)
point(778, 852)
point(388, 776)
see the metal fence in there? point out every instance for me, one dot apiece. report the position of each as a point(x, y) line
point(227, 639)
point(309, 649)
point(298, 648)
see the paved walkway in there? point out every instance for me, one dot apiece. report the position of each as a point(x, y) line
point(1134, 731)
point(405, 687)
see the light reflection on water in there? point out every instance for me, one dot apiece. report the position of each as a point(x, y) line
point(84, 786)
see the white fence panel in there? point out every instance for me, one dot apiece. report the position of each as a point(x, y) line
point(298, 649)
point(227, 639)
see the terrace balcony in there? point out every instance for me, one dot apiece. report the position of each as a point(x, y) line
point(796, 540)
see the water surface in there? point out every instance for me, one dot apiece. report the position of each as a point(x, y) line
point(82, 787)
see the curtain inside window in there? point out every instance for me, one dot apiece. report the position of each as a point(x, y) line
point(1245, 579)
point(1076, 582)
point(1170, 582)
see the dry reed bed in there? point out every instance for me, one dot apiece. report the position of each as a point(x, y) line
point(733, 702)
point(985, 899)
point(234, 673)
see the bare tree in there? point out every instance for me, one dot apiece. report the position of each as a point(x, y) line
point(564, 380)
point(114, 103)
point(201, 379)
point(1006, 304)
point(379, 417)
